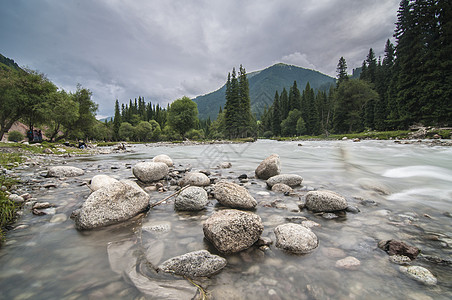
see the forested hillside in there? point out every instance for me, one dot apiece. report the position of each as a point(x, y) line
point(262, 87)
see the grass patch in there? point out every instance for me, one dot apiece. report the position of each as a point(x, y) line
point(10, 160)
point(374, 135)
point(8, 208)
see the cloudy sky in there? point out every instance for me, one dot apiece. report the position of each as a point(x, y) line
point(165, 49)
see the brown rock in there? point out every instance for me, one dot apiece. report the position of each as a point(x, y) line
point(393, 247)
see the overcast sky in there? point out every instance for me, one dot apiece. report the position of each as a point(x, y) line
point(164, 49)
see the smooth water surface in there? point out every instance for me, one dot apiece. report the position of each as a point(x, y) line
point(403, 192)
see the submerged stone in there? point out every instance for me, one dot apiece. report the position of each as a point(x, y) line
point(420, 274)
point(64, 171)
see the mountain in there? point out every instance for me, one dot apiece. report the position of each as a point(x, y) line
point(8, 62)
point(263, 85)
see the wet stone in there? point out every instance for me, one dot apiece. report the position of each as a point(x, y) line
point(400, 259)
point(295, 238)
point(194, 264)
point(420, 274)
point(348, 263)
point(58, 218)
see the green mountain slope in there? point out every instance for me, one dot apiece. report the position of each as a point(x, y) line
point(7, 62)
point(263, 85)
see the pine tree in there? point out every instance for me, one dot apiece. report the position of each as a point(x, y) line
point(116, 121)
point(284, 104)
point(276, 115)
point(294, 97)
point(232, 107)
point(245, 117)
point(371, 63)
point(341, 71)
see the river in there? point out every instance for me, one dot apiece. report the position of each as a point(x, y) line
point(403, 192)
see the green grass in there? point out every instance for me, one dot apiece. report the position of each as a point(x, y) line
point(380, 135)
point(10, 160)
point(8, 208)
point(39, 148)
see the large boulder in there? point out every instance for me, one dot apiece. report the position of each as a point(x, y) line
point(233, 195)
point(232, 231)
point(99, 181)
point(269, 167)
point(325, 201)
point(164, 159)
point(195, 178)
point(194, 264)
point(64, 171)
point(295, 238)
point(291, 180)
point(112, 204)
point(192, 198)
point(150, 171)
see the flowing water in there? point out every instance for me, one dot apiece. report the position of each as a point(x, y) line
point(403, 192)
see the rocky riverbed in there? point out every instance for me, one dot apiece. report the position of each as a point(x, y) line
point(223, 231)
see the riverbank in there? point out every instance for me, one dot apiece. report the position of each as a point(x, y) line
point(45, 256)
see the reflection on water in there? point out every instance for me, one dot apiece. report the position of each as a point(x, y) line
point(403, 192)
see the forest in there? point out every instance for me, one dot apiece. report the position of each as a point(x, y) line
point(410, 84)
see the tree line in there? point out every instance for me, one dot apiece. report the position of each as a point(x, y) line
point(411, 84)
point(141, 121)
point(30, 97)
point(144, 122)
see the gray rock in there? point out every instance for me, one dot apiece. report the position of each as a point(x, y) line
point(400, 259)
point(64, 171)
point(348, 263)
point(281, 188)
point(100, 181)
point(291, 180)
point(192, 198)
point(150, 171)
point(233, 195)
point(232, 231)
point(112, 204)
point(269, 167)
point(58, 218)
point(225, 165)
point(194, 264)
point(164, 159)
point(195, 178)
point(420, 274)
point(295, 238)
point(16, 198)
point(325, 201)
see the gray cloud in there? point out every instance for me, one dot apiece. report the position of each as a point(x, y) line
point(163, 50)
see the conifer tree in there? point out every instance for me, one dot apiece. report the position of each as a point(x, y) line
point(276, 115)
point(284, 104)
point(294, 97)
point(232, 106)
point(116, 121)
point(341, 71)
point(245, 117)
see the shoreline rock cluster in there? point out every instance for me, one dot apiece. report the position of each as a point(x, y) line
point(233, 228)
